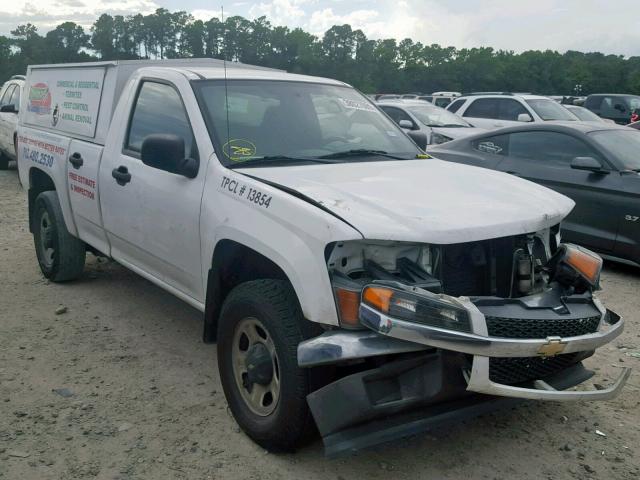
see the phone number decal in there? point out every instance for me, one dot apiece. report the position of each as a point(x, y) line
point(248, 193)
point(40, 158)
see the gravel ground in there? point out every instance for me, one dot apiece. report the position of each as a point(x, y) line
point(107, 378)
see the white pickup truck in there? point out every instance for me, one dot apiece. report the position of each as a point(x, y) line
point(351, 281)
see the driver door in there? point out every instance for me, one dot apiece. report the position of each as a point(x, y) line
point(152, 216)
point(545, 157)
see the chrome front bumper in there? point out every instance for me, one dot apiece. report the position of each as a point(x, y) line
point(483, 344)
point(478, 381)
point(398, 336)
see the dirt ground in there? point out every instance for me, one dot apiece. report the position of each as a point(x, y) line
point(143, 399)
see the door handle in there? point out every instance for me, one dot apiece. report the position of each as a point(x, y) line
point(76, 160)
point(122, 175)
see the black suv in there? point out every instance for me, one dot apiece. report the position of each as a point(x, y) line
point(614, 106)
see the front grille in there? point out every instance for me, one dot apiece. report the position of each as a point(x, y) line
point(541, 328)
point(515, 370)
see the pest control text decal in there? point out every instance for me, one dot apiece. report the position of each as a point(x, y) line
point(65, 99)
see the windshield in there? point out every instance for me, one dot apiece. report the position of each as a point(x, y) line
point(623, 145)
point(296, 122)
point(584, 114)
point(549, 110)
point(436, 117)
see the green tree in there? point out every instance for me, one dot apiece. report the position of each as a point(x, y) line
point(67, 40)
point(102, 37)
point(383, 65)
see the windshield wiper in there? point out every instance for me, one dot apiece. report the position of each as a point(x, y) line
point(271, 159)
point(361, 152)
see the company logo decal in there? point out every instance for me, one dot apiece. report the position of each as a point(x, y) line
point(39, 99)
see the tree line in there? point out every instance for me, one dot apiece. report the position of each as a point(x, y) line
point(343, 53)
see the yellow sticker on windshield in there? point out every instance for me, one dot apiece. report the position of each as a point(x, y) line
point(238, 149)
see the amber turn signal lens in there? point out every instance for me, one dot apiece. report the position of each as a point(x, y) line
point(588, 264)
point(348, 305)
point(378, 297)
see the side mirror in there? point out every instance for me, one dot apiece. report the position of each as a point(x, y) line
point(166, 152)
point(10, 108)
point(524, 117)
point(587, 163)
point(420, 138)
point(406, 124)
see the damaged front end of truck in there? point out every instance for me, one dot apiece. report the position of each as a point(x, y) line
point(438, 333)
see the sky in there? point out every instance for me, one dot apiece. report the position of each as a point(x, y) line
point(611, 26)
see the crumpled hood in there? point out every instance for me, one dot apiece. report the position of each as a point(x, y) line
point(429, 201)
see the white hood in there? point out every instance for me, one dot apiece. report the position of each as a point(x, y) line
point(428, 201)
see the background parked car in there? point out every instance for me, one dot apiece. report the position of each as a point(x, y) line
point(439, 125)
point(635, 125)
point(10, 95)
point(597, 166)
point(617, 107)
point(586, 115)
point(505, 109)
point(442, 99)
point(386, 96)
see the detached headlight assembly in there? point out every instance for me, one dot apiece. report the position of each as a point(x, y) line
point(425, 308)
point(577, 267)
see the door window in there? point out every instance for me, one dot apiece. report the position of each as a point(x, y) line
point(551, 148)
point(442, 102)
point(397, 114)
point(7, 95)
point(159, 109)
point(509, 109)
point(15, 97)
point(607, 107)
point(593, 103)
point(482, 108)
point(455, 106)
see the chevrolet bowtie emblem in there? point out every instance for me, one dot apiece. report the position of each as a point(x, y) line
point(552, 347)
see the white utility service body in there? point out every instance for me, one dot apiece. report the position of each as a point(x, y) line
point(76, 137)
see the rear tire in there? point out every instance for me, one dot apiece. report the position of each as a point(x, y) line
point(60, 255)
point(265, 314)
point(4, 162)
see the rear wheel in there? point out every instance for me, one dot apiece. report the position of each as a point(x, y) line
point(4, 161)
point(260, 328)
point(60, 255)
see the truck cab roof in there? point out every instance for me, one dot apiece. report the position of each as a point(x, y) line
point(78, 99)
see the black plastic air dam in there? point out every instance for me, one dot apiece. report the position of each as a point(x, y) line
point(404, 398)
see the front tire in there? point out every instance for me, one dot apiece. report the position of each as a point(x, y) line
point(260, 327)
point(60, 255)
point(4, 161)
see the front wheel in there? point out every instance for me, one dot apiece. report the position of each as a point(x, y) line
point(259, 331)
point(4, 161)
point(61, 256)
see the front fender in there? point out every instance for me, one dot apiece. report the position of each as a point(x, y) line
point(289, 231)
